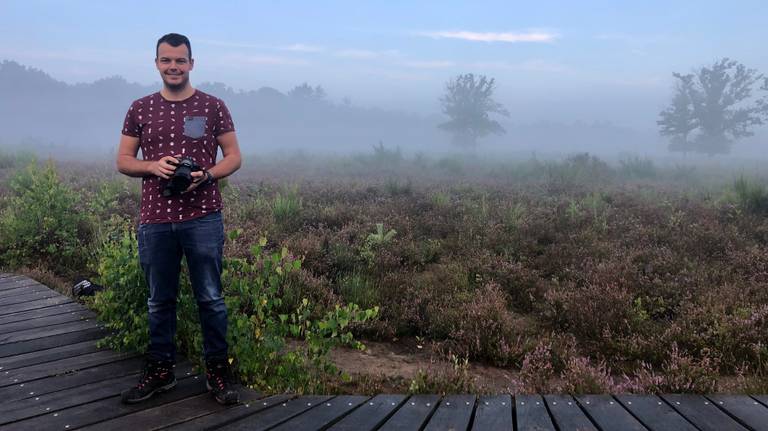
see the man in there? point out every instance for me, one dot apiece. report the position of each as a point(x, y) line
point(175, 123)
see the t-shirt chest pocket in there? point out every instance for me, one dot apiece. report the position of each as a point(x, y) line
point(194, 127)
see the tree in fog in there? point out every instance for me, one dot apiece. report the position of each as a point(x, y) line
point(713, 107)
point(468, 102)
point(306, 92)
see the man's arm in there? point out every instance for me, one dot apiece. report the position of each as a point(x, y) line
point(128, 164)
point(231, 160)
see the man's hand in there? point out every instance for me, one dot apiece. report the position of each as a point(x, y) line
point(163, 168)
point(197, 179)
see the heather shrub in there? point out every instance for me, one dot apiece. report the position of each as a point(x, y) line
point(591, 310)
point(580, 376)
point(485, 329)
point(576, 170)
point(455, 380)
point(679, 373)
point(537, 371)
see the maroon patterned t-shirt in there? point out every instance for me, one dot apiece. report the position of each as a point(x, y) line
point(185, 128)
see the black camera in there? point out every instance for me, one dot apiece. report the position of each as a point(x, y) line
point(182, 177)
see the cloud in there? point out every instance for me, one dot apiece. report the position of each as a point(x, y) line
point(531, 36)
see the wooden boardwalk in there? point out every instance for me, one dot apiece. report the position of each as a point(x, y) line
point(52, 377)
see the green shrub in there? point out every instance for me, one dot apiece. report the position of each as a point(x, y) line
point(440, 199)
point(258, 335)
point(751, 196)
point(123, 305)
point(374, 241)
point(42, 225)
point(287, 206)
point(357, 289)
point(635, 167)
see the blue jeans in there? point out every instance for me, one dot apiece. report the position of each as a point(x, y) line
point(161, 247)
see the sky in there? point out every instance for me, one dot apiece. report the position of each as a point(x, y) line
point(589, 61)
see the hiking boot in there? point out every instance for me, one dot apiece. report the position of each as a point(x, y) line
point(218, 380)
point(157, 377)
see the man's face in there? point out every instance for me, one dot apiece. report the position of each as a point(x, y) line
point(174, 65)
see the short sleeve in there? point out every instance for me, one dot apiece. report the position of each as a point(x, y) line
point(131, 127)
point(223, 122)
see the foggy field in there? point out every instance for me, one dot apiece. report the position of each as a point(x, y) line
point(570, 273)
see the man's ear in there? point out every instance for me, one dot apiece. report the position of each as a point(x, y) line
point(191, 63)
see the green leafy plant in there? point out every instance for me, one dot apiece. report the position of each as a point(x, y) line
point(287, 206)
point(269, 350)
point(751, 196)
point(41, 224)
point(375, 240)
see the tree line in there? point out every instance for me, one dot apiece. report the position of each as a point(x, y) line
point(711, 108)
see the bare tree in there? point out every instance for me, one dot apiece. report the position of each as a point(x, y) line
point(714, 107)
point(468, 102)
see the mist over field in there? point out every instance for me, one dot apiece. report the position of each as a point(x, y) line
point(68, 121)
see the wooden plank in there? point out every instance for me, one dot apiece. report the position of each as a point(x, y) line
point(654, 413)
point(744, 409)
point(36, 405)
point(43, 303)
point(371, 414)
point(51, 341)
point(413, 414)
point(172, 413)
point(762, 398)
point(23, 290)
point(608, 413)
point(40, 322)
point(14, 281)
point(47, 331)
point(50, 403)
point(219, 418)
point(15, 284)
point(27, 297)
point(493, 413)
point(324, 414)
point(61, 366)
point(453, 413)
point(107, 408)
point(566, 413)
point(41, 312)
point(69, 380)
point(48, 355)
point(702, 413)
point(531, 413)
point(266, 419)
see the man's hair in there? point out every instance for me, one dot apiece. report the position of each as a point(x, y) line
point(174, 39)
